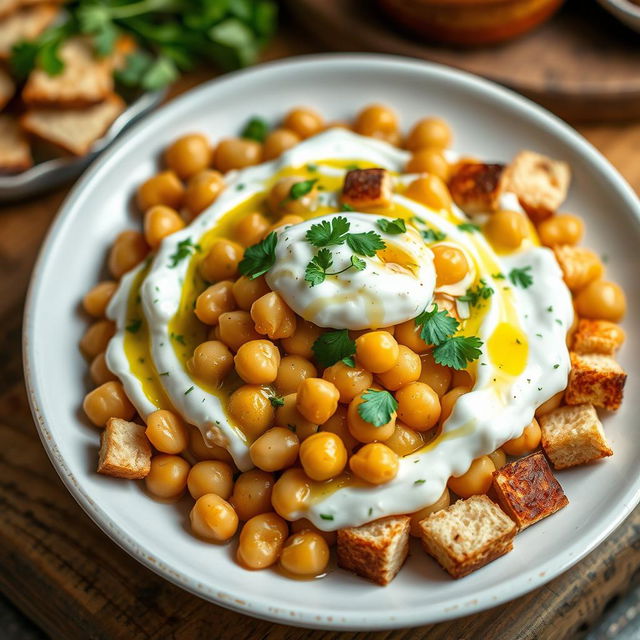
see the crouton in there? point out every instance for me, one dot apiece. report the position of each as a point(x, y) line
point(365, 188)
point(573, 436)
point(125, 451)
point(527, 490)
point(595, 379)
point(9, 6)
point(26, 24)
point(597, 336)
point(467, 535)
point(75, 130)
point(376, 550)
point(476, 187)
point(540, 183)
point(579, 265)
point(7, 88)
point(15, 154)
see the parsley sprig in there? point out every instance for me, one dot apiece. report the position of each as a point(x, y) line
point(334, 346)
point(475, 295)
point(377, 407)
point(255, 129)
point(259, 258)
point(316, 271)
point(392, 227)
point(436, 326)
point(184, 249)
point(328, 232)
point(521, 277)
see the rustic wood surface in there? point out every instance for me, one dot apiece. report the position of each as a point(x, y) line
point(583, 64)
point(66, 575)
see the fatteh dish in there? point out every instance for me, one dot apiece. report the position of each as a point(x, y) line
point(328, 334)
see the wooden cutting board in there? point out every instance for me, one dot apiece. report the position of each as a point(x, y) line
point(582, 64)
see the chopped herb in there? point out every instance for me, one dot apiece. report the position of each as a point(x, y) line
point(352, 167)
point(164, 373)
point(458, 352)
point(349, 361)
point(418, 219)
point(558, 321)
point(550, 309)
point(539, 335)
point(539, 388)
point(392, 227)
point(521, 277)
point(312, 167)
point(316, 271)
point(358, 264)
point(377, 407)
point(421, 481)
point(370, 510)
point(300, 189)
point(333, 346)
point(365, 244)
point(276, 401)
point(256, 129)
point(518, 341)
point(498, 276)
point(474, 295)
point(134, 325)
point(555, 366)
point(433, 235)
point(240, 187)
point(189, 390)
point(259, 258)
point(328, 233)
point(184, 249)
point(346, 207)
point(436, 326)
point(177, 337)
point(469, 227)
point(326, 516)
point(141, 360)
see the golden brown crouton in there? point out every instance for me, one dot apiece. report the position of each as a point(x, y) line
point(375, 550)
point(365, 188)
point(7, 88)
point(595, 379)
point(579, 265)
point(125, 451)
point(597, 336)
point(25, 24)
point(527, 491)
point(75, 130)
point(476, 187)
point(468, 535)
point(15, 154)
point(573, 436)
point(540, 183)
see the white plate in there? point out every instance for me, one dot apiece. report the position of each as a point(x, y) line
point(625, 11)
point(488, 122)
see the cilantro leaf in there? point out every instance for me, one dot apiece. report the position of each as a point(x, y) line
point(392, 227)
point(457, 352)
point(328, 233)
point(316, 270)
point(346, 207)
point(358, 264)
point(377, 407)
point(474, 295)
point(433, 235)
point(365, 244)
point(256, 129)
point(469, 227)
point(436, 326)
point(276, 401)
point(521, 277)
point(333, 346)
point(259, 258)
point(300, 189)
point(349, 361)
point(184, 249)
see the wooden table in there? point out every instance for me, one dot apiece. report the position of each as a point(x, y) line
point(65, 574)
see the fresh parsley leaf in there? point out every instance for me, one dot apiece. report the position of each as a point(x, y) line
point(326, 516)
point(458, 352)
point(347, 207)
point(316, 270)
point(436, 326)
point(521, 277)
point(134, 325)
point(476, 294)
point(300, 189)
point(433, 235)
point(358, 264)
point(469, 227)
point(392, 227)
point(276, 401)
point(349, 361)
point(259, 258)
point(365, 244)
point(328, 233)
point(184, 249)
point(333, 346)
point(256, 129)
point(377, 407)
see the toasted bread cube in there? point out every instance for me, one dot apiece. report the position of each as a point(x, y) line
point(375, 550)
point(597, 336)
point(527, 490)
point(573, 436)
point(125, 451)
point(7, 88)
point(540, 183)
point(15, 154)
point(365, 188)
point(25, 24)
point(595, 379)
point(579, 265)
point(468, 535)
point(476, 187)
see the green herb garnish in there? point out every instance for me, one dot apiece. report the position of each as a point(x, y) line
point(178, 337)
point(316, 270)
point(478, 293)
point(433, 235)
point(134, 325)
point(469, 227)
point(328, 233)
point(276, 401)
point(259, 258)
point(392, 227)
point(332, 347)
point(436, 326)
point(421, 481)
point(326, 516)
point(301, 189)
point(521, 277)
point(377, 407)
point(346, 207)
point(365, 244)
point(189, 390)
point(256, 129)
point(458, 352)
point(184, 249)
point(349, 361)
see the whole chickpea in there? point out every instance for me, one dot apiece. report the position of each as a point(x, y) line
point(252, 493)
point(527, 442)
point(109, 400)
point(563, 228)
point(375, 463)
point(129, 250)
point(301, 342)
point(450, 263)
point(405, 370)
point(235, 328)
point(163, 188)
point(278, 141)
point(323, 456)
point(202, 190)
point(601, 300)
point(211, 362)
point(317, 399)
point(291, 492)
point(96, 338)
point(188, 154)
point(476, 480)
point(257, 361)
point(429, 133)
point(408, 334)
point(213, 518)
point(280, 199)
point(377, 351)
point(221, 261)
point(95, 301)
point(303, 121)
point(99, 371)
point(429, 161)
point(418, 406)
point(434, 374)
point(305, 553)
point(261, 541)
point(251, 407)
point(237, 153)
point(431, 191)
point(251, 229)
point(288, 415)
point(291, 372)
point(404, 440)
point(166, 431)
point(350, 381)
point(273, 317)
point(159, 222)
point(210, 476)
point(448, 401)
point(376, 119)
point(168, 476)
point(507, 229)
point(214, 301)
point(276, 449)
point(247, 291)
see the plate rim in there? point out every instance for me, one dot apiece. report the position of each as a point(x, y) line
point(490, 597)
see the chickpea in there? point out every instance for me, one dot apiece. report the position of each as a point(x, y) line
point(159, 222)
point(375, 463)
point(416, 518)
point(261, 541)
point(168, 476)
point(221, 261)
point(213, 518)
point(257, 361)
point(247, 291)
point(431, 191)
point(376, 118)
point(337, 424)
point(251, 408)
point(527, 442)
point(96, 301)
point(163, 188)
point(285, 221)
point(408, 334)
point(476, 480)
point(237, 153)
point(350, 381)
point(507, 229)
point(275, 449)
point(429, 161)
point(303, 121)
point(303, 524)
point(211, 362)
point(109, 400)
point(434, 374)
point(236, 328)
point(280, 200)
point(166, 431)
point(99, 371)
point(601, 300)
point(461, 378)
point(563, 228)
point(128, 251)
point(429, 133)
point(96, 338)
point(188, 155)
point(377, 351)
point(323, 456)
point(301, 342)
point(251, 229)
point(273, 317)
point(202, 190)
point(291, 492)
point(418, 406)
point(288, 415)
point(203, 451)
point(450, 263)
point(252, 493)
point(404, 440)
point(499, 458)
point(278, 141)
point(354, 334)
point(210, 476)
point(291, 372)
point(405, 370)
point(317, 399)
point(305, 553)
point(448, 401)
point(364, 431)
point(214, 301)
point(552, 403)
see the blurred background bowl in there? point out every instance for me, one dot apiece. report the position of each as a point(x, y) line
point(625, 10)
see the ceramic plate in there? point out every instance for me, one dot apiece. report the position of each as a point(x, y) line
point(489, 122)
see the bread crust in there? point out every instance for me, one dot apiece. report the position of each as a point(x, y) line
point(15, 153)
point(367, 188)
point(595, 379)
point(597, 336)
point(476, 187)
point(125, 451)
point(579, 265)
